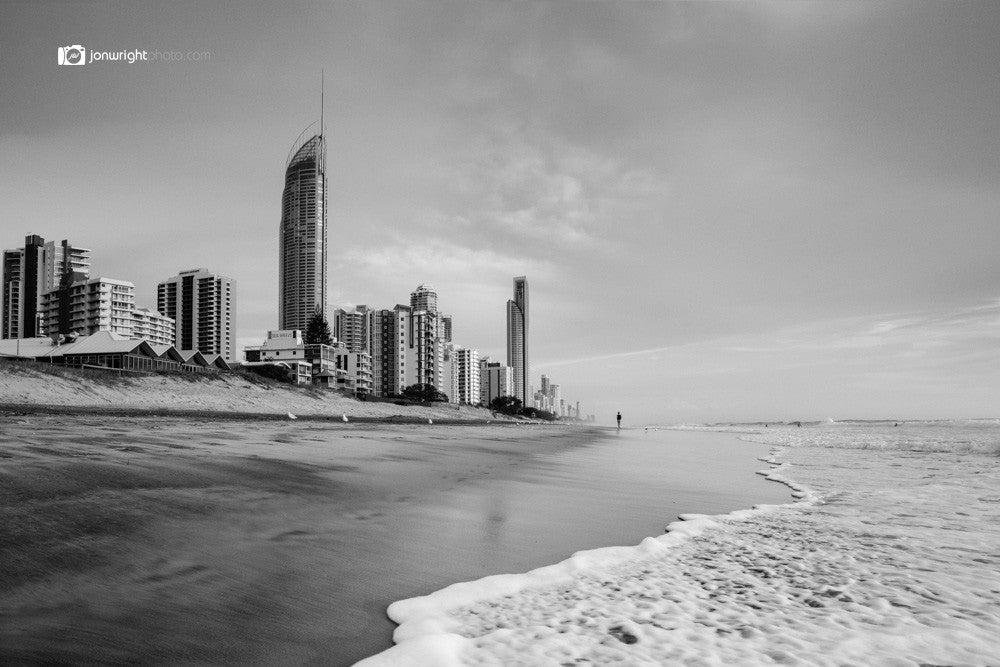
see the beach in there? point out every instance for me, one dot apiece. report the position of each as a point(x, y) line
point(164, 539)
point(889, 555)
point(41, 389)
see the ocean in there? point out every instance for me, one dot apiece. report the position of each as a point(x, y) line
point(889, 555)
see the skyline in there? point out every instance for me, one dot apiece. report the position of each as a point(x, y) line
point(758, 194)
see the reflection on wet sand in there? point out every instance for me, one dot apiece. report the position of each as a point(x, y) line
point(129, 540)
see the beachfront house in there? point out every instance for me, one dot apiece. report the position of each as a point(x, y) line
point(108, 350)
point(332, 366)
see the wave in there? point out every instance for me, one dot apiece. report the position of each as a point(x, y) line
point(429, 632)
point(721, 589)
point(962, 436)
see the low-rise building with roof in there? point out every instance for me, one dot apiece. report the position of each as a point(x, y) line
point(333, 366)
point(106, 349)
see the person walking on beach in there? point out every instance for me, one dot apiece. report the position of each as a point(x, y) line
point(619, 420)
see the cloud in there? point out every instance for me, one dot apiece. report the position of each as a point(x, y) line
point(528, 187)
point(913, 335)
point(433, 259)
point(928, 363)
point(797, 16)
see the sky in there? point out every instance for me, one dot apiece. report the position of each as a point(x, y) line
point(725, 211)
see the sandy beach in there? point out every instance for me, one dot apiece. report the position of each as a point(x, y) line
point(174, 540)
point(37, 389)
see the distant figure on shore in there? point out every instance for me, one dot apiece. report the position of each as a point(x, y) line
point(619, 420)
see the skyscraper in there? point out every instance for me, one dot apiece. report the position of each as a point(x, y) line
point(446, 328)
point(203, 307)
point(62, 259)
point(495, 380)
point(517, 338)
point(387, 344)
point(466, 364)
point(405, 344)
point(424, 298)
point(303, 234)
point(425, 349)
point(30, 272)
point(351, 328)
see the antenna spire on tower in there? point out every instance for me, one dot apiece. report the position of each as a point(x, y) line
point(322, 127)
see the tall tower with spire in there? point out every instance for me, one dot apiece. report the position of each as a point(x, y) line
point(303, 235)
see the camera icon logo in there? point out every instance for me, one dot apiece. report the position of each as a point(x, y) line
point(72, 55)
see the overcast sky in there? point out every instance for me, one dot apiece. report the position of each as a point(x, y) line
point(725, 211)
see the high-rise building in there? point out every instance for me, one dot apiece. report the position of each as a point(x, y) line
point(424, 298)
point(203, 307)
point(10, 316)
point(517, 338)
point(23, 278)
point(466, 365)
point(302, 238)
point(84, 306)
point(152, 326)
point(30, 272)
point(351, 328)
point(62, 259)
point(449, 372)
point(406, 345)
point(387, 338)
point(495, 380)
point(446, 328)
point(550, 399)
point(424, 350)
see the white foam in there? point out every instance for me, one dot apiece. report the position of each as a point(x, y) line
point(890, 556)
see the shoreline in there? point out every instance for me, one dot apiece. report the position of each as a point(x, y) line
point(132, 532)
point(858, 568)
point(34, 409)
point(426, 631)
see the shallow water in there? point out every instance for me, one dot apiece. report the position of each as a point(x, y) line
point(890, 557)
point(177, 541)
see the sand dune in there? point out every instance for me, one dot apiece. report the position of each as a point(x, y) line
point(31, 385)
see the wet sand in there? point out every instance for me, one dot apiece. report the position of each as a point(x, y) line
point(168, 540)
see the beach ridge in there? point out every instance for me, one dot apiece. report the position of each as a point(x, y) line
point(38, 389)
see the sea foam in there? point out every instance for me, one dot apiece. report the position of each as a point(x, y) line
point(890, 555)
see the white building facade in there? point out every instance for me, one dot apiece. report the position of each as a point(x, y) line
point(351, 328)
point(331, 365)
point(87, 306)
point(152, 326)
point(203, 307)
point(495, 380)
point(467, 384)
